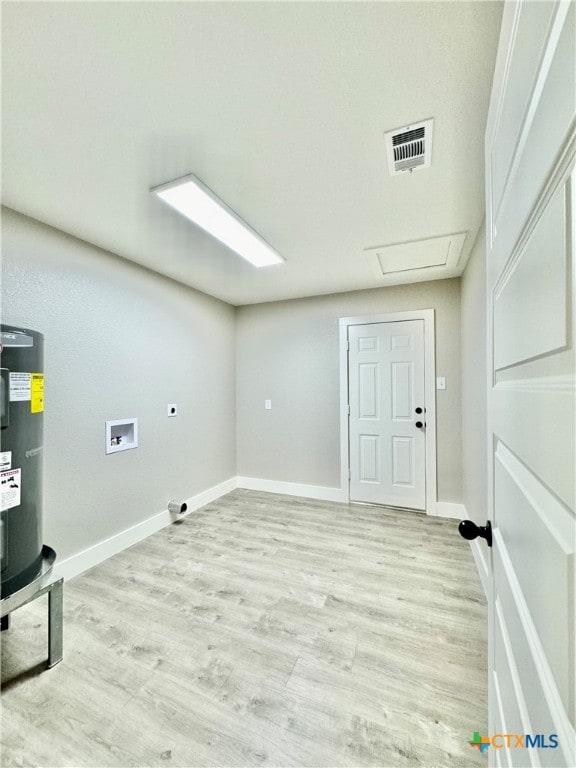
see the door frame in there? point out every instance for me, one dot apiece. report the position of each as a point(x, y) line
point(427, 315)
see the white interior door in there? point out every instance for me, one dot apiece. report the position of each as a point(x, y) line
point(531, 392)
point(386, 387)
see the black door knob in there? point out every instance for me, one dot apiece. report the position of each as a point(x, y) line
point(469, 530)
point(418, 410)
point(419, 424)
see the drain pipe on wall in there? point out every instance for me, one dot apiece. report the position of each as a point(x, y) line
point(177, 509)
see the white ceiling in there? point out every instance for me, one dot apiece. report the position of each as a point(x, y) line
point(280, 108)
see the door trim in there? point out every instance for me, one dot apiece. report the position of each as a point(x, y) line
point(427, 315)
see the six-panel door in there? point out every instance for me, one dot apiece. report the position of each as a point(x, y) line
point(386, 386)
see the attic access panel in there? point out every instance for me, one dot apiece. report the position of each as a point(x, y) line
point(418, 255)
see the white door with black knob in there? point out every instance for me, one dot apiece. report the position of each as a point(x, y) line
point(387, 414)
point(529, 570)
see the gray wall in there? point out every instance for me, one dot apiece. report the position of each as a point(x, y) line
point(288, 352)
point(474, 381)
point(120, 342)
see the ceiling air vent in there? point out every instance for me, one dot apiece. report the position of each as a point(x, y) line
point(409, 148)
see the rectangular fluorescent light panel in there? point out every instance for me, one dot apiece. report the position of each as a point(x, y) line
point(190, 197)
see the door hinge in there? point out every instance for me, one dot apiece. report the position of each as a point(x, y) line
point(347, 345)
point(349, 474)
point(348, 409)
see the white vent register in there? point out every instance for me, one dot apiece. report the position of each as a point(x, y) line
point(409, 148)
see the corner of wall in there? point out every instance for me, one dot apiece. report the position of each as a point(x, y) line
point(96, 554)
point(458, 511)
point(448, 509)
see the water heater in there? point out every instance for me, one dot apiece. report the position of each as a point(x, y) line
point(21, 446)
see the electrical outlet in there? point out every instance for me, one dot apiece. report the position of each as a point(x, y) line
point(172, 409)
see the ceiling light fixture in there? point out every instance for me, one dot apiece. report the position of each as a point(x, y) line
point(190, 197)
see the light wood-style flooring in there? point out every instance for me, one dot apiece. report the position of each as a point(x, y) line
point(264, 630)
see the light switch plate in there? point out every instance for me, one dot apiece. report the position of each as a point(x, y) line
point(172, 409)
point(440, 382)
point(268, 405)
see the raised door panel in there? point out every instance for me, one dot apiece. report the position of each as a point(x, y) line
point(519, 79)
point(532, 400)
point(402, 462)
point(369, 453)
point(538, 531)
point(400, 341)
point(546, 141)
point(401, 391)
point(523, 686)
point(530, 303)
point(368, 344)
point(368, 395)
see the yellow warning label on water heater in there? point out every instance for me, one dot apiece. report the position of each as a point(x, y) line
point(37, 392)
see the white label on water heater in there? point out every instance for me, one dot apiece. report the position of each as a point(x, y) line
point(20, 386)
point(5, 460)
point(10, 483)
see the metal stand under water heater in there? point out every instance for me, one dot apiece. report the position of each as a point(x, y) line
point(24, 560)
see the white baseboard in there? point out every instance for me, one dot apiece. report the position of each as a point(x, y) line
point(448, 509)
point(478, 547)
point(88, 558)
point(459, 512)
point(324, 493)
